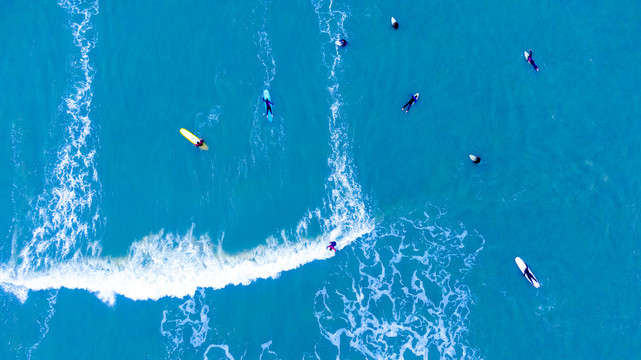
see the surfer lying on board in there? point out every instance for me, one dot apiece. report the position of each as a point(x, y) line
point(409, 103)
point(331, 246)
point(269, 106)
point(529, 59)
point(529, 275)
point(199, 143)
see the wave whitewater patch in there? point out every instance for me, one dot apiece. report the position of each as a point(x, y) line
point(403, 294)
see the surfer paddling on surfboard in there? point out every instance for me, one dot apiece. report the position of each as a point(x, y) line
point(341, 42)
point(528, 57)
point(198, 142)
point(268, 104)
point(527, 273)
point(475, 159)
point(409, 103)
point(394, 23)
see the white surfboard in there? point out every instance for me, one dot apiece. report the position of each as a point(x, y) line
point(527, 273)
point(193, 139)
point(416, 96)
point(339, 42)
point(394, 23)
point(526, 54)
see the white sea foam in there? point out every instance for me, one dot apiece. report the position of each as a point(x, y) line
point(192, 315)
point(265, 54)
point(265, 347)
point(44, 324)
point(217, 354)
point(66, 213)
point(407, 296)
point(18, 190)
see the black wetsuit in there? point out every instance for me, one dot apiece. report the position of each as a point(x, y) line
point(528, 274)
point(531, 61)
point(409, 104)
point(269, 108)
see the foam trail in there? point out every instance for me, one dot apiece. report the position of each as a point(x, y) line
point(265, 54)
point(44, 325)
point(224, 348)
point(347, 207)
point(67, 212)
point(18, 189)
point(265, 347)
point(259, 146)
point(173, 326)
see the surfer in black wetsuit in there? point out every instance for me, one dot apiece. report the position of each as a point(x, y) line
point(409, 103)
point(528, 274)
point(269, 106)
point(331, 246)
point(531, 61)
point(199, 143)
point(342, 42)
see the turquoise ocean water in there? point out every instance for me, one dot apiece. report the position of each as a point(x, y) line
point(120, 240)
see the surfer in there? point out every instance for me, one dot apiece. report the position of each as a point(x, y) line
point(475, 159)
point(341, 42)
point(331, 246)
point(269, 107)
point(409, 103)
point(199, 143)
point(394, 24)
point(528, 274)
point(531, 61)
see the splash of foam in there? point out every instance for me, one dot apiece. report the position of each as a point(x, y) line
point(224, 348)
point(407, 296)
point(173, 325)
point(168, 265)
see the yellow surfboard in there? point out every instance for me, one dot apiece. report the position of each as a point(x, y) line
point(193, 139)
